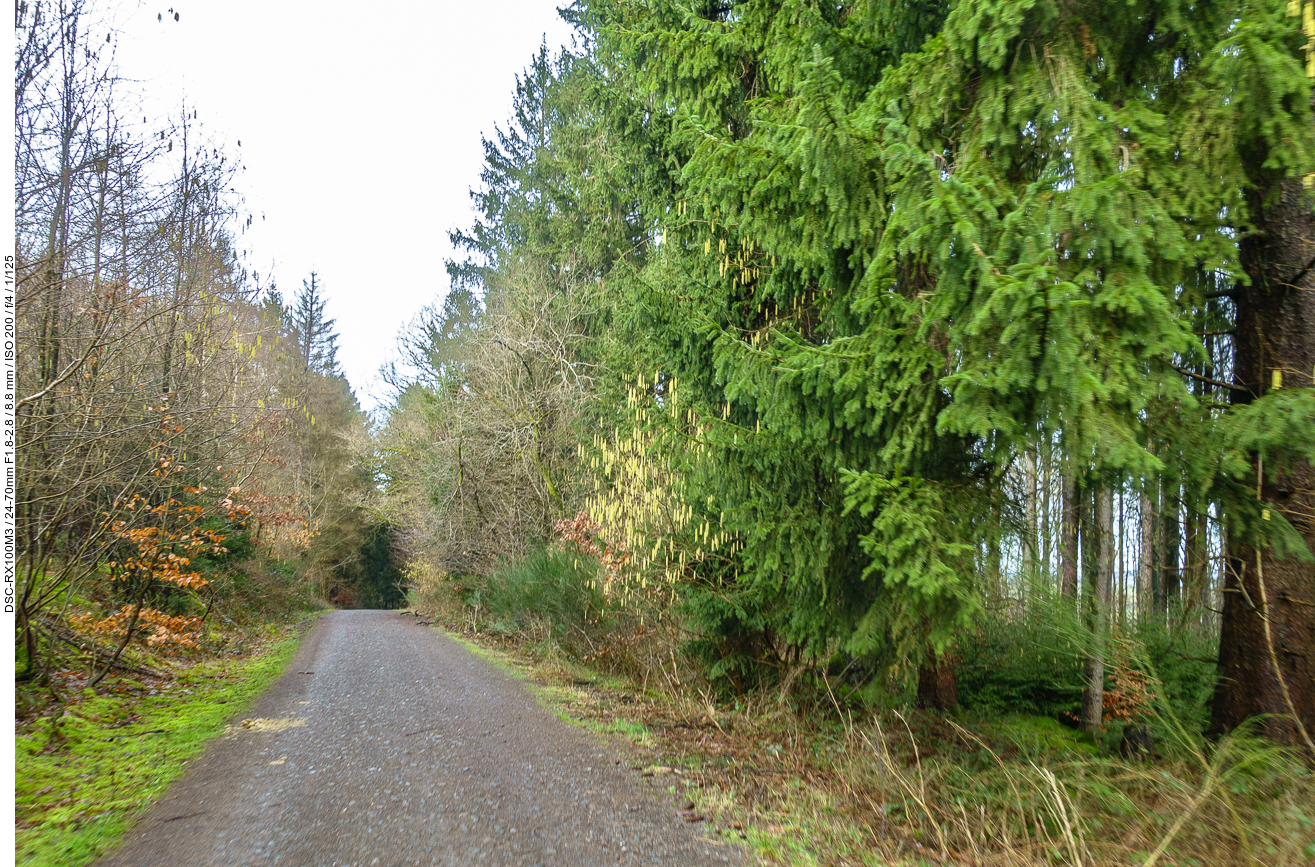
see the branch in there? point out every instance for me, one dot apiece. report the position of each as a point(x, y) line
point(1302, 273)
point(73, 368)
point(1205, 379)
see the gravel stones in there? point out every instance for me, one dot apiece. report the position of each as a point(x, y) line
point(388, 743)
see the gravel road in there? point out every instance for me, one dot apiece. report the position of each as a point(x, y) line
point(386, 743)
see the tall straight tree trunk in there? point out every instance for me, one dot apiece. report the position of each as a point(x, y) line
point(1191, 551)
point(1047, 548)
point(1197, 557)
point(1068, 548)
point(1029, 543)
point(1093, 698)
point(1119, 572)
point(1157, 551)
point(1145, 556)
point(1267, 637)
point(993, 569)
point(1170, 536)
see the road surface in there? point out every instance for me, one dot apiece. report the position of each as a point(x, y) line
point(386, 743)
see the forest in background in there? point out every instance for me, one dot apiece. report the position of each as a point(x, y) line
point(188, 450)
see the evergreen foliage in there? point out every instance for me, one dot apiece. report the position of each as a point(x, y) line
point(314, 341)
point(894, 256)
point(376, 575)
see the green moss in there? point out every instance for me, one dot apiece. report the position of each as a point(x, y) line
point(83, 777)
point(635, 732)
point(1038, 736)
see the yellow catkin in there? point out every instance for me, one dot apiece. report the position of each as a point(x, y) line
point(1308, 28)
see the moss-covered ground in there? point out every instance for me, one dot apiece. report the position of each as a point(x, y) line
point(92, 761)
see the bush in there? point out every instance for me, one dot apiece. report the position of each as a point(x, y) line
point(731, 638)
point(1183, 660)
point(555, 589)
point(1027, 659)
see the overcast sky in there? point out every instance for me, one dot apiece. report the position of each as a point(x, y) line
point(360, 134)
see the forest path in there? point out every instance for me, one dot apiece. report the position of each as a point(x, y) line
point(387, 743)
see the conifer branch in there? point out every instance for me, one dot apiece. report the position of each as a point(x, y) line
point(1207, 380)
point(1292, 282)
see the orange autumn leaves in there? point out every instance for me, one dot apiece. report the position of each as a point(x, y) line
point(159, 630)
point(163, 540)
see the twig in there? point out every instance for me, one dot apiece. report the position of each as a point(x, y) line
point(134, 735)
point(184, 816)
point(1207, 380)
point(72, 639)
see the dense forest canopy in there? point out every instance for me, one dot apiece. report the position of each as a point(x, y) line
point(836, 329)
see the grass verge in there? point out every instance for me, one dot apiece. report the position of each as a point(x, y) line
point(896, 789)
point(86, 770)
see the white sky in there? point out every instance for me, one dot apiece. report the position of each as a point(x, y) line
point(360, 133)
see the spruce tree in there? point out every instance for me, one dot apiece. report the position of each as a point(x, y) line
point(911, 246)
point(314, 341)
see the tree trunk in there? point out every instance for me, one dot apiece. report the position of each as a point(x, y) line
point(1047, 549)
point(1093, 697)
point(1068, 548)
point(1197, 558)
point(993, 569)
point(1170, 535)
point(1146, 557)
point(936, 685)
point(1029, 543)
point(1267, 637)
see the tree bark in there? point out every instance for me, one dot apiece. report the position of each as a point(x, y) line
point(1267, 637)
point(937, 689)
point(1146, 557)
point(1170, 535)
point(1047, 547)
point(1068, 548)
point(1197, 558)
point(1030, 543)
point(1093, 697)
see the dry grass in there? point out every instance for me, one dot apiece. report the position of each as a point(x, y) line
point(836, 786)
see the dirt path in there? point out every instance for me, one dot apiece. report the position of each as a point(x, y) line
point(387, 744)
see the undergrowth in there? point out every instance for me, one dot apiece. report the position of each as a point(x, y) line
point(88, 762)
point(828, 775)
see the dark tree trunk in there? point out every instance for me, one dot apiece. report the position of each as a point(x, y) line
point(936, 685)
point(1267, 639)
